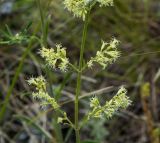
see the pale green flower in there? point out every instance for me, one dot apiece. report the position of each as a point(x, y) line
point(41, 93)
point(38, 82)
point(107, 55)
point(94, 102)
point(55, 58)
point(119, 101)
point(45, 99)
point(60, 120)
point(63, 65)
point(77, 7)
point(80, 8)
point(105, 2)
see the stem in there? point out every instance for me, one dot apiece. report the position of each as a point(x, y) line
point(77, 136)
point(73, 67)
point(78, 87)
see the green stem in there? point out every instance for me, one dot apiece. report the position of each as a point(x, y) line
point(78, 87)
point(73, 67)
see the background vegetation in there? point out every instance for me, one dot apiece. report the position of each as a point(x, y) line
point(135, 23)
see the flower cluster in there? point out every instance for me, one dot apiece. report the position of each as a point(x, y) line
point(53, 57)
point(119, 101)
point(62, 119)
point(39, 83)
point(41, 93)
point(106, 55)
point(77, 7)
point(105, 2)
point(80, 7)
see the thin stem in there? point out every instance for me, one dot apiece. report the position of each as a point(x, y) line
point(78, 88)
point(66, 118)
point(73, 67)
point(70, 123)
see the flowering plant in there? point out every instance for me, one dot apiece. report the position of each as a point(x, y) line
point(57, 58)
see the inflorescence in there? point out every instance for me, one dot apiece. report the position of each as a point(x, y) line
point(119, 101)
point(80, 8)
point(107, 54)
point(55, 58)
point(41, 92)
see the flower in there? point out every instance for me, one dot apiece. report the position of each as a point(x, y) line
point(41, 93)
point(119, 101)
point(45, 99)
point(60, 120)
point(80, 8)
point(105, 2)
point(55, 58)
point(107, 55)
point(94, 102)
point(38, 82)
point(96, 108)
point(77, 7)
